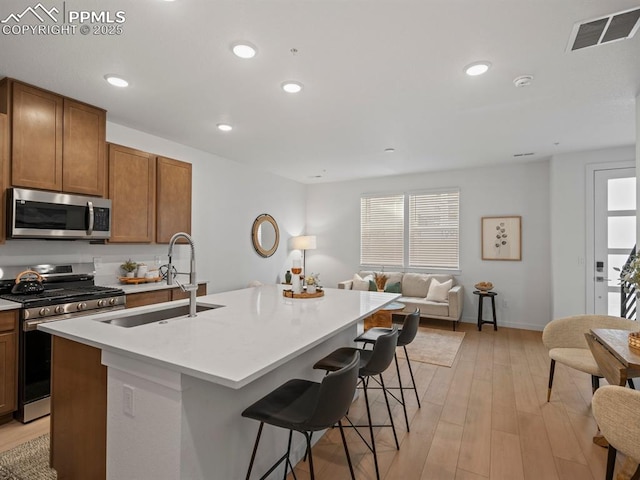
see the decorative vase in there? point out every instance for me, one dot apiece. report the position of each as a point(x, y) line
point(129, 274)
point(311, 289)
point(287, 277)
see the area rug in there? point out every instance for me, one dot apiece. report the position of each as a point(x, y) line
point(29, 461)
point(438, 347)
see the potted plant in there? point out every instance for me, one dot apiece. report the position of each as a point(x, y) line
point(129, 268)
point(312, 282)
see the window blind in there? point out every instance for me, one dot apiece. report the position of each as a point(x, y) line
point(434, 229)
point(382, 230)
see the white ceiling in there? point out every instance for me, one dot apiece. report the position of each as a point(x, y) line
point(376, 74)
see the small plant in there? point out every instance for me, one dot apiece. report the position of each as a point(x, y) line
point(129, 266)
point(313, 279)
point(630, 273)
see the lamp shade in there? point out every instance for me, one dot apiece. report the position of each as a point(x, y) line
point(305, 242)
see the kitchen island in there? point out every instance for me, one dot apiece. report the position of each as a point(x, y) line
point(175, 389)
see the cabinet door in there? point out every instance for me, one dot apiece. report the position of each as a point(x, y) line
point(178, 294)
point(3, 173)
point(148, 298)
point(36, 151)
point(83, 149)
point(132, 175)
point(173, 199)
point(8, 362)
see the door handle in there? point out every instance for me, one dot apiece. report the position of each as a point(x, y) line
point(602, 279)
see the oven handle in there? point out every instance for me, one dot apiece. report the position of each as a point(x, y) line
point(91, 218)
point(31, 325)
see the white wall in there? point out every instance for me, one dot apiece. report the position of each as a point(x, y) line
point(227, 197)
point(568, 225)
point(333, 214)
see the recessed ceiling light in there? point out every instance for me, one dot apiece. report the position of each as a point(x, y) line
point(116, 81)
point(292, 87)
point(389, 150)
point(224, 127)
point(523, 80)
point(477, 68)
point(244, 50)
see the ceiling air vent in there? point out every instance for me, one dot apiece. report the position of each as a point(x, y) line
point(616, 26)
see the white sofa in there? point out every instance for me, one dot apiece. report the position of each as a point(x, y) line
point(414, 289)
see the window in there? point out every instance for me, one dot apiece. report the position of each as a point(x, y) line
point(413, 230)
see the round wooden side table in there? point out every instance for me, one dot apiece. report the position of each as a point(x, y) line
point(383, 317)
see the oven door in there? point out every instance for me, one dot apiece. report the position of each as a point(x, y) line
point(34, 388)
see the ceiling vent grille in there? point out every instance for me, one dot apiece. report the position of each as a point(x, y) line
point(616, 26)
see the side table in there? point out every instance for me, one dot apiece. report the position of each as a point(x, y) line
point(482, 296)
point(383, 317)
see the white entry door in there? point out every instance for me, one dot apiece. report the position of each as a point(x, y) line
point(614, 235)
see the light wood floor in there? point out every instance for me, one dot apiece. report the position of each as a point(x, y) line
point(486, 417)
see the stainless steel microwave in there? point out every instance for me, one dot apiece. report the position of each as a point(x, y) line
point(38, 214)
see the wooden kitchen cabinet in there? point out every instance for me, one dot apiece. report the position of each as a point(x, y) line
point(178, 294)
point(159, 296)
point(132, 190)
point(173, 198)
point(8, 364)
point(57, 143)
point(4, 174)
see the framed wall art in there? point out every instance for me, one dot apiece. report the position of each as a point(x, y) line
point(502, 238)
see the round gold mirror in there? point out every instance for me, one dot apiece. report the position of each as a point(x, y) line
point(265, 235)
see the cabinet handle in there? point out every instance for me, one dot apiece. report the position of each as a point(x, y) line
point(91, 218)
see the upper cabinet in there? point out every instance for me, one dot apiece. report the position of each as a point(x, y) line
point(56, 143)
point(173, 200)
point(132, 190)
point(3, 174)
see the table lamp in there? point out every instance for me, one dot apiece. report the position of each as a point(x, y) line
point(303, 243)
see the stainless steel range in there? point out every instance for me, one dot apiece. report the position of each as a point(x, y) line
point(69, 291)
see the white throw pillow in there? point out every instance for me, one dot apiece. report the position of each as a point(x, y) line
point(360, 283)
point(439, 292)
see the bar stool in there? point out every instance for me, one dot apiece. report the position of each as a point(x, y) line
point(372, 364)
point(306, 407)
point(407, 334)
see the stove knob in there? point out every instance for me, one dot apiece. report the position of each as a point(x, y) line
point(102, 303)
point(59, 309)
point(113, 301)
point(81, 306)
point(44, 311)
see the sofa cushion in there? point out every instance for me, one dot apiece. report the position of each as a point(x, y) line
point(439, 292)
point(393, 287)
point(415, 285)
point(392, 277)
point(427, 308)
point(360, 283)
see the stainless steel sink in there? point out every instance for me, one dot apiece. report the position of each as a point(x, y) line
point(157, 316)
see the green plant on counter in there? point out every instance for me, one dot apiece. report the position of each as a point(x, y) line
point(129, 266)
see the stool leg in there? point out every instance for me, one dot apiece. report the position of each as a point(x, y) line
point(631, 384)
point(493, 309)
point(595, 383)
point(413, 381)
point(404, 404)
point(386, 399)
point(286, 463)
point(611, 462)
point(308, 438)
point(373, 440)
point(346, 450)
point(480, 298)
point(255, 449)
point(552, 370)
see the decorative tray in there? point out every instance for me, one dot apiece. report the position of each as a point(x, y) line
point(137, 280)
point(634, 340)
point(290, 294)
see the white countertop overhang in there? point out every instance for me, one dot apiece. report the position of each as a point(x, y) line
point(255, 331)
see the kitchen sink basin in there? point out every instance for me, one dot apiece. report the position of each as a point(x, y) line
point(157, 316)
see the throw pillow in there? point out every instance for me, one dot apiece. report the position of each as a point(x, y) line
point(393, 288)
point(372, 286)
point(439, 292)
point(360, 283)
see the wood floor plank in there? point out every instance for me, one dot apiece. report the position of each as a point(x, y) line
point(443, 455)
point(506, 458)
point(475, 449)
point(503, 405)
point(537, 457)
point(564, 443)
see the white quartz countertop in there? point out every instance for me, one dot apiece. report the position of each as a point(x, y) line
point(7, 305)
point(255, 331)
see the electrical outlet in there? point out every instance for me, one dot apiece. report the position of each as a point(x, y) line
point(127, 400)
point(505, 304)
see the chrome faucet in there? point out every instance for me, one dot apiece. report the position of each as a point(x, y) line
point(193, 285)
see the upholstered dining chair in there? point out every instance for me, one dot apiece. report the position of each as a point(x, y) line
point(617, 411)
point(564, 337)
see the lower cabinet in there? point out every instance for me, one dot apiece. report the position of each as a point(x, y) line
point(8, 364)
point(159, 296)
point(78, 411)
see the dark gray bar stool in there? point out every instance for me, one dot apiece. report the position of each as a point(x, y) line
point(306, 407)
point(407, 334)
point(372, 364)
